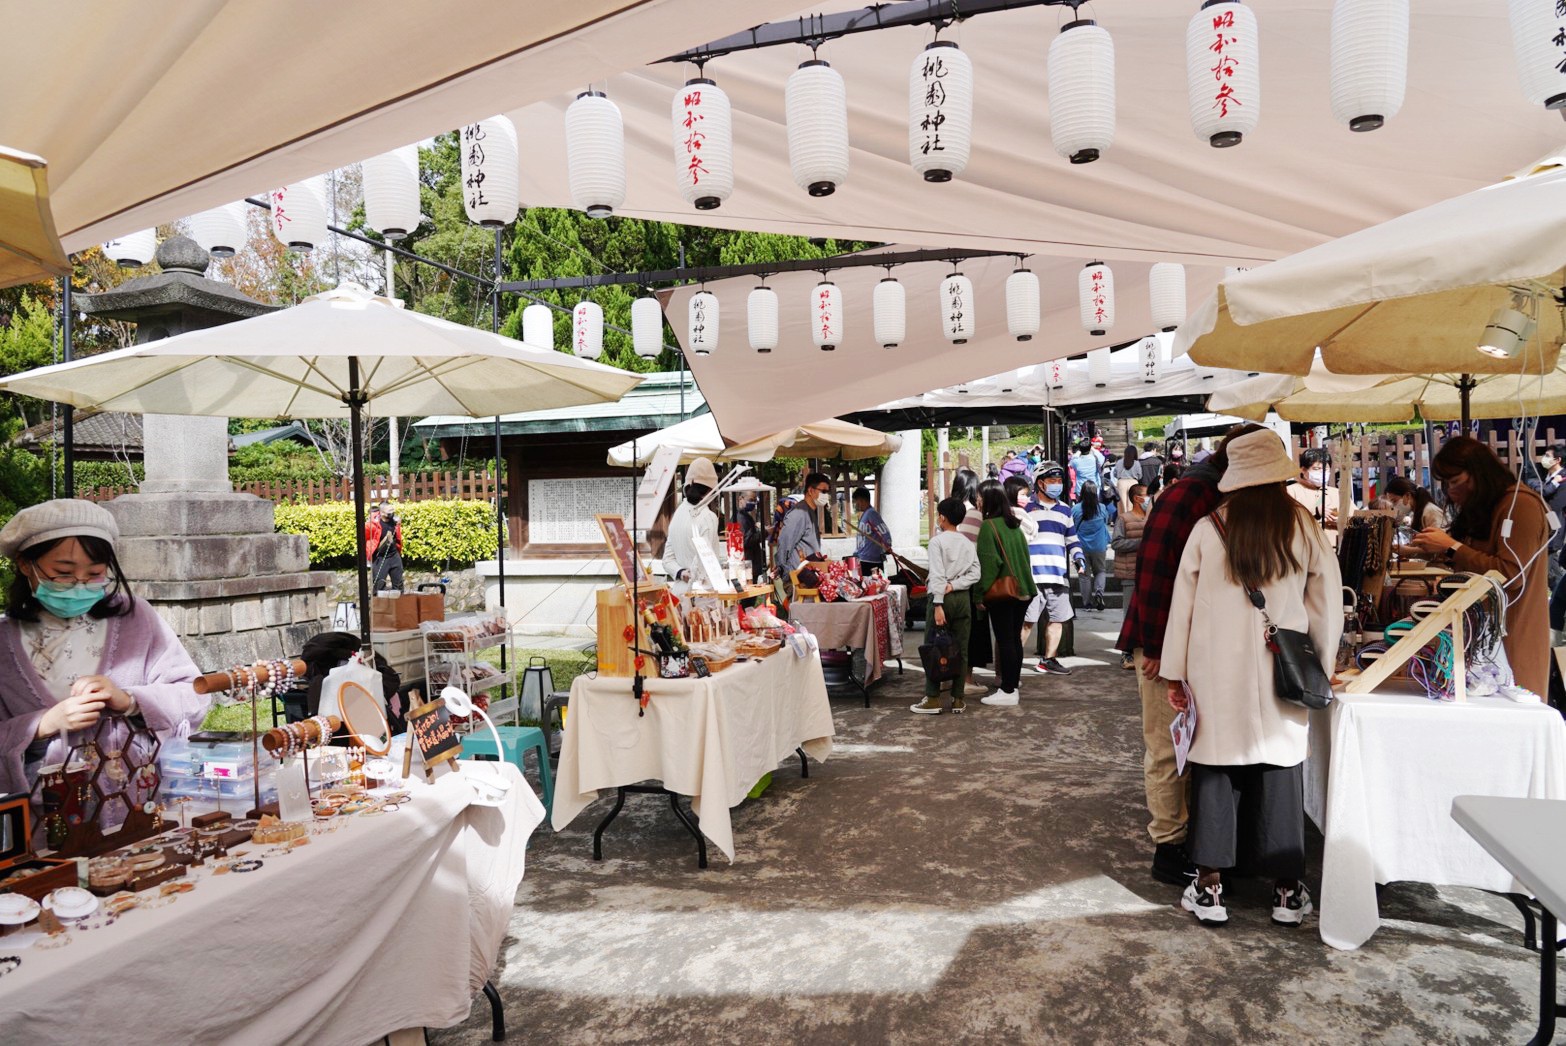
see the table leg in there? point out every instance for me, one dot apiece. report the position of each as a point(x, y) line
point(1549, 1009)
point(804, 767)
point(685, 819)
point(497, 1012)
point(674, 801)
point(598, 833)
point(1521, 904)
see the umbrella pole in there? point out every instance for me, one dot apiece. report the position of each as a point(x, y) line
point(1465, 387)
point(500, 470)
point(356, 399)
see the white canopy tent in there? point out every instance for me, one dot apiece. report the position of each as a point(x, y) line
point(147, 115)
point(699, 437)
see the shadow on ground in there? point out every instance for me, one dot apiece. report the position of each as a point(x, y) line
point(978, 878)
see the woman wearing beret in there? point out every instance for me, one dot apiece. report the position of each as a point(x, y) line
point(76, 646)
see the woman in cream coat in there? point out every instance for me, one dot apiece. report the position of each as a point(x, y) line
point(1247, 793)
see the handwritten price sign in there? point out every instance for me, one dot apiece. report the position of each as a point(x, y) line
point(431, 729)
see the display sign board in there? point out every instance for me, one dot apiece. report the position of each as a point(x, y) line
point(561, 511)
point(655, 485)
point(623, 549)
point(430, 727)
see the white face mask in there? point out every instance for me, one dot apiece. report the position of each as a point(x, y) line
point(1146, 503)
point(1318, 475)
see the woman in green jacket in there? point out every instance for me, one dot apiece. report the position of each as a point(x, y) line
point(1003, 553)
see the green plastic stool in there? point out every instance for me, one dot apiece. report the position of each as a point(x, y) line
point(515, 740)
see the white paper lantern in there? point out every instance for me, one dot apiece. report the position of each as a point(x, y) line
point(1022, 304)
point(1055, 374)
point(595, 154)
point(391, 192)
point(1223, 72)
point(703, 144)
point(702, 333)
point(957, 308)
point(1166, 295)
point(1539, 41)
point(299, 215)
point(133, 251)
point(538, 326)
point(1152, 359)
point(221, 231)
point(1369, 61)
point(890, 304)
point(761, 319)
point(587, 330)
point(815, 103)
point(647, 327)
point(1082, 91)
point(491, 170)
point(1096, 295)
point(826, 315)
point(1098, 367)
point(940, 111)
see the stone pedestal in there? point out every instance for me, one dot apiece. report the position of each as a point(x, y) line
point(185, 454)
point(900, 495)
point(212, 566)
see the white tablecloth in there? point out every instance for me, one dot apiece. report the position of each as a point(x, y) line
point(711, 739)
point(1380, 780)
point(391, 922)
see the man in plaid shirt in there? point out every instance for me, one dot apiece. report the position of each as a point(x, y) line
point(1174, 515)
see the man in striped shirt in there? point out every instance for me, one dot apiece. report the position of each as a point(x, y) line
point(1049, 550)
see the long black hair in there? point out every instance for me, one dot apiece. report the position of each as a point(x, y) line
point(22, 605)
point(992, 504)
point(965, 485)
point(1088, 495)
point(1491, 481)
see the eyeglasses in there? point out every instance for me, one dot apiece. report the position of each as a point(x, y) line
point(68, 581)
point(823, 490)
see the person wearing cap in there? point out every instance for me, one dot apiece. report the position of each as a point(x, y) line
point(693, 525)
point(383, 546)
point(76, 645)
point(1053, 543)
point(1245, 763)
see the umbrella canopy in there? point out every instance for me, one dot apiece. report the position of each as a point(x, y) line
point(699, 437)
point(145, 117)
point(329, 357)
point(29, 249)
point(1411, 295)
point(1322, 396)
point(294, 363)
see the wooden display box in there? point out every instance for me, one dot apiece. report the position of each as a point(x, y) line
point(615, 614)
point(16, 832)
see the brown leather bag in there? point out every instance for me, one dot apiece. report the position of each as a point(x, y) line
point(1005, 586)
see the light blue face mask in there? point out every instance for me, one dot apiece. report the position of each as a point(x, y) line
point(1054, 489)
point(67, 601)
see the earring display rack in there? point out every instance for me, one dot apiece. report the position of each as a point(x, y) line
point(115, 766)
point(1447, 616)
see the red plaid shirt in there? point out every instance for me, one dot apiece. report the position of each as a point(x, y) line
point(1175, 514)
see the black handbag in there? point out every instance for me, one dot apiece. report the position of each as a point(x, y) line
point(939, 656)
point(1297, 674)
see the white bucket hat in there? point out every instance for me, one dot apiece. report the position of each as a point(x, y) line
point(1255, 459)
point(701, 471)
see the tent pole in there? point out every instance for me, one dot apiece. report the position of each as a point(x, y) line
point(68, 434)
point(500, 468)
point(1465, 388)
point(355, 399)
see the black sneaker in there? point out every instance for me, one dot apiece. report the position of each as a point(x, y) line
point(1290, 905)
point(1172, 865)
point(1206, 903)
point(1098, 602)
point(1052, 666)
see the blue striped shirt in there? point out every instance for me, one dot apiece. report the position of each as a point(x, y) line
point(1055, 544)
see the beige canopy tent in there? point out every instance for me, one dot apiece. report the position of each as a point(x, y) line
point(699, 437)
point(147, 114)
point(1411, 295)
point(29, 249)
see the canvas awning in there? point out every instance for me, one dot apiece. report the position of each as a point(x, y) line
point(699, 437)
point(145, 114)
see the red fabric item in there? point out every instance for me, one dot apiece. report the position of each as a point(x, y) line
point(1174, 515)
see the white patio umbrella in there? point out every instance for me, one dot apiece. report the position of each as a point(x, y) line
point(699, 437)
point(329, 357)
point(1410, 296)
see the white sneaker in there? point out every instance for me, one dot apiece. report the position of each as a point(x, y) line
point(1290, 907)
point(1000, 697)
point(1205, 902)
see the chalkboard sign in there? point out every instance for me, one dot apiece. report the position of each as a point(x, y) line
point(430, 727)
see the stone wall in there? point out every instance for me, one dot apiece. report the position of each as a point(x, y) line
point(228, 630)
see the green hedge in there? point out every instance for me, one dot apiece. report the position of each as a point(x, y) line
point(434, 533)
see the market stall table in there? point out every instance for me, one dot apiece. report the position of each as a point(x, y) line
point(855, 624)
point(711, 739)
point(1528, 837)
point(1383, 770)
point(390, 922)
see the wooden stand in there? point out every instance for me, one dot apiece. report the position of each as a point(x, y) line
point(1449, 615)
point(616, 613)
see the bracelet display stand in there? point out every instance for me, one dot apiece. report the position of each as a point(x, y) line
point(1448, 616)
point(246, 681)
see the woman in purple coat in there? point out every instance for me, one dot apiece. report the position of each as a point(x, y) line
point(75, 647)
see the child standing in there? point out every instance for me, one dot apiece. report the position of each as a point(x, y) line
point(954, 568)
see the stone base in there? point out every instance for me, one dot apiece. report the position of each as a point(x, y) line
point(250, 624)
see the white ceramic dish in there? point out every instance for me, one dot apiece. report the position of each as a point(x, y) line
point(16, 909)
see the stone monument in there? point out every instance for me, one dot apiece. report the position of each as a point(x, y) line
point(209, 560)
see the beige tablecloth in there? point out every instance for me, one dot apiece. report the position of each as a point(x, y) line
point(849, 624)
point(391, 922)
point(1382, 774)
point(711, 739)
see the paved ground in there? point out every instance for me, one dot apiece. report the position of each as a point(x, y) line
point(974, 879)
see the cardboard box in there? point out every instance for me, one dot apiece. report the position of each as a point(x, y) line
point(394, 613)
point(432, 606)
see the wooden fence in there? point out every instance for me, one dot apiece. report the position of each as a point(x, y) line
point(426, 486)
point(1377, 456)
